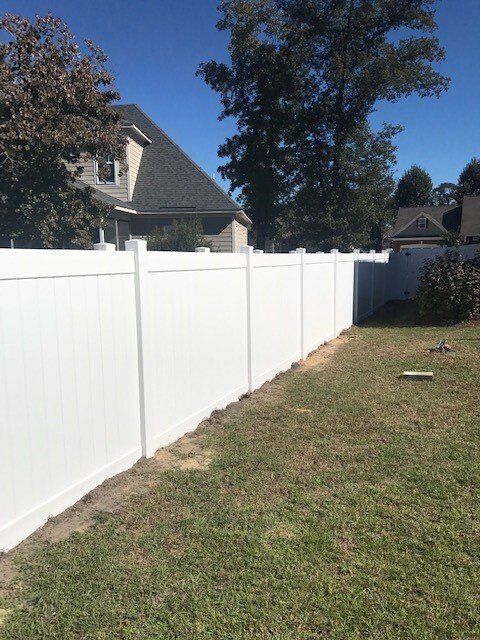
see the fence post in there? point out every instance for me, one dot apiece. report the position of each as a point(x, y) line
point(335, 283)
point(385, 253)
point(139, 247)
point(248, 251)
point(104, 246)
point(303, 347)
point(356, 280)
point(202, 249)
point(372, 283)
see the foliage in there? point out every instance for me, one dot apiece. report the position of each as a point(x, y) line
point(185, 234)
point(449, 288)
point(55, 109)
point(453, 238)
point(414, 188)
point(444, 194)
point(302, 82)
point(469, 180)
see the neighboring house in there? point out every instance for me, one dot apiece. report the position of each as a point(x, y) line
point(160, 184)
point(427, 226)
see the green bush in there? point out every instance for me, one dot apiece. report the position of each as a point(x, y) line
point(449, 288)
point(184, 235)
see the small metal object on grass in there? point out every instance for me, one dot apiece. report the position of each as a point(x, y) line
point(418, 375)
point(441, 347)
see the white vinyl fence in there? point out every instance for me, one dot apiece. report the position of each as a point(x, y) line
point(106, 356)
point(405, 267)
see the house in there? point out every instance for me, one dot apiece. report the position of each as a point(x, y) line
point(428, 226)
point(160, 184)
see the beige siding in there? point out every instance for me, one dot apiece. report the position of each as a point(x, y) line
point(223, 241)
point(118, 190)
point(241, 235)
point(134, 157)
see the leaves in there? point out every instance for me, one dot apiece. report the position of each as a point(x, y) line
point(449, 288)
point(54, 109)
point(185, 234)
point(414, 188)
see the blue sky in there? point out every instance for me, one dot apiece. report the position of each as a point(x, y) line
point(155, 47)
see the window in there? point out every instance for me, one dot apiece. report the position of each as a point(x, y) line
point(422, 223)
point(107, 171)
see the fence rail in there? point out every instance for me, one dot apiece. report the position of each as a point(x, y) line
point(107, 356)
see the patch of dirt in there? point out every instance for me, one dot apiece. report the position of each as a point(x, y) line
point(320, 357)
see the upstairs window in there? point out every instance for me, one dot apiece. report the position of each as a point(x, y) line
point(106, 171)
point(422, 223)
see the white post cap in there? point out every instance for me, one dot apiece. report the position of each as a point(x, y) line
point(104, 246)
point(136, 245)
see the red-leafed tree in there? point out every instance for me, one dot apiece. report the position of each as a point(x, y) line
point(55, 99)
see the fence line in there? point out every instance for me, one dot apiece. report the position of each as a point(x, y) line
point(405, 267)
point(106, 356)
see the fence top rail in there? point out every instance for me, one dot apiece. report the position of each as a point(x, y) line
point(20, 264)
point(319, 258)
point(260, 260)
point(346, 257)
point(161, 261)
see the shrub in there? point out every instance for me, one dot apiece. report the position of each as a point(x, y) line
point(184, 235)
point(449, 288)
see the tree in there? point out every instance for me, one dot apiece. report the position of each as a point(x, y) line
point(414, 188)
point(54, 109)
point(309, 74)
point(186, 234)
point(444, 194)
point(255, 90)
point(469, 180)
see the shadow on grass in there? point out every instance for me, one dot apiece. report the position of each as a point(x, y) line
point(404, 313)
point(399, 313)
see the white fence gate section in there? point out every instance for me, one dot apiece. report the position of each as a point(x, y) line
point(106, 356)
point(405, 267)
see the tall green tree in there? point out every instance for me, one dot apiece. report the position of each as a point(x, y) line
point(54, 109)
point(469, 180)
point(327, 64)
point(444, 194)
point(259, 89)
point(414, 188)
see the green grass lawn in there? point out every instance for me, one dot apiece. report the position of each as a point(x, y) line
point(340, 502)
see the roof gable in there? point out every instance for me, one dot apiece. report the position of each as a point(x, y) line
point(168, 179)
point(420, 212)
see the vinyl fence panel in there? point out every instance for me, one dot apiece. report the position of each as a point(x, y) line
point(319, 295)
point(276, 314)
point(69, 380)
point(196, 338)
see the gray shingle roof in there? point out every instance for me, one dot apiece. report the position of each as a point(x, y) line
point(470, 216)
point(168, 179)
